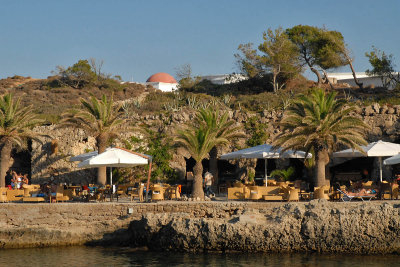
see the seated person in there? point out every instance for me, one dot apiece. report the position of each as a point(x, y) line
point(25, 179)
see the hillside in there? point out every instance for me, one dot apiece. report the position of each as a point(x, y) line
point(50, 99)
point(51, 102)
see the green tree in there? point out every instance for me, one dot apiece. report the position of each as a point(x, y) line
point(16, 125)
point(78, 75)
point(185, 77)
point(283, 174)
point(318, 48)
point(278, 57)
point(223, 127)
point(100, 118)
point(199, 138)
point(383, 66)
point(159, 145)
point(257, 131)
point(249, 62)
point(320, 123)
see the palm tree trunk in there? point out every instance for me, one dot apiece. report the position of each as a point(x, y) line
point(197, 191)
point(321, 159)
point(102, 140)
point(5, 154)
point(214, 164)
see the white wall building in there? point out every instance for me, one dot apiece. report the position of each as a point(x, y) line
point(347, 77)
point(224, 78)
point(163, 81)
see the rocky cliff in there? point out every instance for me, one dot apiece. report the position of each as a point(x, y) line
point(383, 121)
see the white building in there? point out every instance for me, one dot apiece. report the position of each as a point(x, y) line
point(163, 81)
point(347, 77)
point(224, 78)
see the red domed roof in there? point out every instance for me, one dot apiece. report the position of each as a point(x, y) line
point(161, 77)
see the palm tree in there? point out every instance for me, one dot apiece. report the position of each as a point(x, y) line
point(100, 118)
point(223, 128)
point(320, 123)
point(199, 138)
point(16, 125)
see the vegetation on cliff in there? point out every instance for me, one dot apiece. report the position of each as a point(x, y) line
point(209, 130)
point(16, 123)
point(99, 118)
point(320, 123)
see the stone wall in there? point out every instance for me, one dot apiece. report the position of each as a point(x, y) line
point(358, 227)
point(58, 224)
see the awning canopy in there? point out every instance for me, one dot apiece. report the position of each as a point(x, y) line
point(265, 151)
point(376, 149)
point(392, 160)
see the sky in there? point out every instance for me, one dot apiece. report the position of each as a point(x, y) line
point(136, 39)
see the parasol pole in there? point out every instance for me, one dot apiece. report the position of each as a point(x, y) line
point(148, 180)
point(380, 168)
point(265, 172)
point(111, 177)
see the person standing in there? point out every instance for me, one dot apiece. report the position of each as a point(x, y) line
point(208, 179)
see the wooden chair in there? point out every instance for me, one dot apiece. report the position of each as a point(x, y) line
point(293, 194)
point(59, 195)
point(137, 192)
point(157, 193)
point(319, 193)
point(395, 193)
point(174, 192)
point(254, 193)
point(3, 194)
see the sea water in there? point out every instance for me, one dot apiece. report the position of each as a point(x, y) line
point(99, 256)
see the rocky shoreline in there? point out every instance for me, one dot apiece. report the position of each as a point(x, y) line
point(316, 226)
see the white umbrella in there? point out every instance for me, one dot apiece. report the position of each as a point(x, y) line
point(118, 157)
point(265, 151)
point(115, 157)
point(392, 160)
point(376, 149)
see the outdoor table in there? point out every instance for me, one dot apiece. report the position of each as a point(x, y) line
point(107, 191)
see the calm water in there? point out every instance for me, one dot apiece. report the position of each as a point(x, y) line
point(97, 257)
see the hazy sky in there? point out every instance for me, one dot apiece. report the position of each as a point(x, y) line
point(139, 38)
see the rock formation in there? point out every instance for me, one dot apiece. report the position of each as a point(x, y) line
point(317, 226)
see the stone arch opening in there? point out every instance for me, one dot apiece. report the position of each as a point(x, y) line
point(190, 162)
point(21, 160)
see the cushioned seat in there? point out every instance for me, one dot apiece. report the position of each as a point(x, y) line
point(33, 199)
